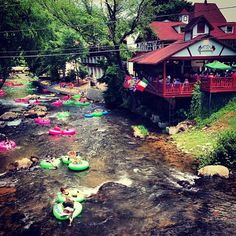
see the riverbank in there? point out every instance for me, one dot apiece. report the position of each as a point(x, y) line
point(201, 140)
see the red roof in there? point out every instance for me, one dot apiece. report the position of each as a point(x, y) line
point(166, 31)
point(184, 12)
point(218, 33)
point(159, 55)
point(211, 12)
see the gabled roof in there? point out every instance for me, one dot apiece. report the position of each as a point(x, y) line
point(211, 12)
point(218, 33)
point(159, 55)
point(166, 31)
point(195, 21)
point(184, 12)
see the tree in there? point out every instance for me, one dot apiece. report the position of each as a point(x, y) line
point(169, 9)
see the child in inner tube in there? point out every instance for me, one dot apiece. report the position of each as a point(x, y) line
point(68, 205)
point(74, 157)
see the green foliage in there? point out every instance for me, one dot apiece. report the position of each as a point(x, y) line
point(170, 7)
point(196, 102)
point(142, 129)
point(230, 107)
point(114, 78)
point(83, 72)
point(224, 153)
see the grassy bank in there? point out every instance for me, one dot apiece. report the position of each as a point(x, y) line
point(202, 139)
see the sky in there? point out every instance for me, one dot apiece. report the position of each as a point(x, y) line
point(229, 14)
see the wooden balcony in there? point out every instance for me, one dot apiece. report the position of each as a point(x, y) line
point(170, 90)
point(212, 85)
point(218, 84)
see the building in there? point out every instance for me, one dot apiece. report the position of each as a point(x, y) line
point(202, 37)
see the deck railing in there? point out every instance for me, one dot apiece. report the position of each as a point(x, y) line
point(208, 84)
point(218, 84)
point(170, 90)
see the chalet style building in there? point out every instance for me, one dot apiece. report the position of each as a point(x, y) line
point(202, 36)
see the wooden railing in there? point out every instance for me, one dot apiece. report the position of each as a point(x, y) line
point(218, 84)
point(170, 90)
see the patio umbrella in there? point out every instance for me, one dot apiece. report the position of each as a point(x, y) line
point(216, 65)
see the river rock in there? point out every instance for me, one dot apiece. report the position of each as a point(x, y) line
point(8, 116)
point(212, 170)
point(2, 124)
point(24, 163)
point(94, 94)
point(182, 126)
point(14, 122)
point(36, 111)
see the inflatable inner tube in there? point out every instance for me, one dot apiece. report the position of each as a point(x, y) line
point(42, 121)
point(55, 131)
point(63, 115)
point(77, 96)
point(59, 208)
point(74, 195)
point(68, 103)
point(7, 145)
point(97, 114)
point(88, 115)
point(81, 104)
point(57, 103)
point(66, 159)
point(82, 165)
point(44, 164)
point(68, 132)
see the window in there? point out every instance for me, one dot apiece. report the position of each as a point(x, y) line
point(201, 27)
point(229, 29)
point(182, 29)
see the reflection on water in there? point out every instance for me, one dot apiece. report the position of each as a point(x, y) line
point(134, 186)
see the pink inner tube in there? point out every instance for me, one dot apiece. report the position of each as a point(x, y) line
point(55, 131)
point(23, 100)
point(65, 98)
point(69, 132)
point(2, 92)
point(4, 146)
point(36, 102)
point(57, 103)
point(42, 121)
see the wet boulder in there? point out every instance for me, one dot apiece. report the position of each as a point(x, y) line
point(182, 126)
point(9, 116)
point(212, 170)
point(94, 94)
point(36, 111)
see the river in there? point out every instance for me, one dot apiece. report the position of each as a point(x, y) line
point(134, 187)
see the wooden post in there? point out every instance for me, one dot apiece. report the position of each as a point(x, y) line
point(164, 78)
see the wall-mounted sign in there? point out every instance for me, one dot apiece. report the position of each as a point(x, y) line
point(206, 48)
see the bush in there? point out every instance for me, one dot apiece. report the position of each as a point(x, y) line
point(224, 153)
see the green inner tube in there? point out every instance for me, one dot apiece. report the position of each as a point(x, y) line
point(50, 165)
point(97, 114)
point(62, 115)
point(83, 165)
point(77, 96)
point(74, 195)
point(66, 160)
point(59, 208)
point(68, 103)
point(81, 104)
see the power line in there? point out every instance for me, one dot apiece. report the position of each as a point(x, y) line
point(64, 54)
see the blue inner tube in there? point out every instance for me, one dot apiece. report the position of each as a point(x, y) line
point(88, 115)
